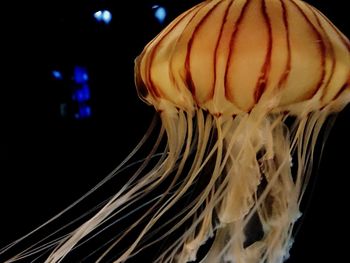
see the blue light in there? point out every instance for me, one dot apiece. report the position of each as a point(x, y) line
point(106, 16)
point(82, 94)
point(103, 16)
point(159, 13)
point(86, 92)
point(84, 112)
point(98, 16)
point(80, 75)
point(57, 74)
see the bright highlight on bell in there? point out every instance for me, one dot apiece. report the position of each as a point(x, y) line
point(241, 87)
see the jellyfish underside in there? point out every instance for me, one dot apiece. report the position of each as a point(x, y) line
point(224, 107)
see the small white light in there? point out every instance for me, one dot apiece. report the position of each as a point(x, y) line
point(106, 16)
point(160, 13)
point(103, 16)
point(98, 16)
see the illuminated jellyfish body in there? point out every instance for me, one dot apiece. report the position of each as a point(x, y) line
point(224, 77)
point(242, 68)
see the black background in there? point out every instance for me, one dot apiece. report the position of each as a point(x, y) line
point(48, 161)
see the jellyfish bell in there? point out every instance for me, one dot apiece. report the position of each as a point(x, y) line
point(226, 56)
point(224, 77)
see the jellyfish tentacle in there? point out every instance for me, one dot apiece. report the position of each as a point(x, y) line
point(130, 191)
point(168, 166)
point(194, 205)
point(220, 198)
point(112, 174)
point(235, 233)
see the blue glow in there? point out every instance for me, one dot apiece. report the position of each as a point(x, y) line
point(159, 13)
point(82, 94)
point(84, 112)
point(57, 74)
point(98, 16)
point(103, 16)
point(106, 16)
point(80, 75)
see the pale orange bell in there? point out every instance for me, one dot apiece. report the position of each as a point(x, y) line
point(225, 56)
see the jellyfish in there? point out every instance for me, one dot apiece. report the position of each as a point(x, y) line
point(243, 89)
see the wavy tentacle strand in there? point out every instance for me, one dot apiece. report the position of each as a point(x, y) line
point(252, 177)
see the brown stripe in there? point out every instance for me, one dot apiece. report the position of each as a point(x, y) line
point(344, 87)
point(138, 79)
point(141, 88)
point(286, 72)
point(231, 46)
point(322, 48)
point(224, 19)
point(346, 43)
point(171, 71)
point(149, 82)
point(188, 78)
point(331, 52)
point(152, 88)
point(265, 70)
point(340, 35)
